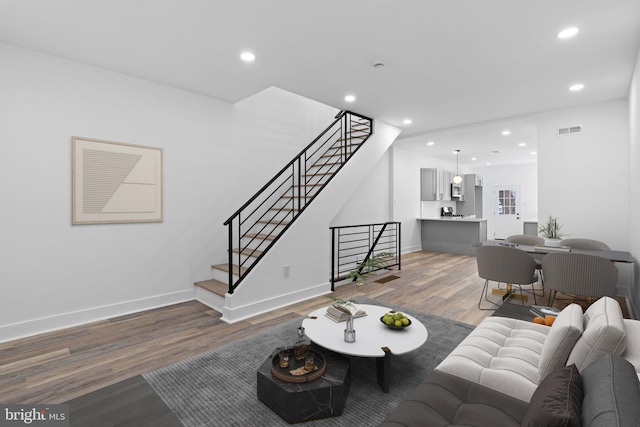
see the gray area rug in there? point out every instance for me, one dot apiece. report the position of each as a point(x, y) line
point(218, 388)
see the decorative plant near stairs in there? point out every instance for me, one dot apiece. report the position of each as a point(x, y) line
point(370, 265)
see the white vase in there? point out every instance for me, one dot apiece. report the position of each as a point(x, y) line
point(553, 242)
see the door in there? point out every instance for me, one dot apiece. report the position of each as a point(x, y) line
point(506, 211)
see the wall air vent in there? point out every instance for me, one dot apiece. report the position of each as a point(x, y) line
point(571, 130)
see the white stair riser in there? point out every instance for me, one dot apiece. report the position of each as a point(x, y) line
point(222, 276)
point(210, 299)
point(254, 243)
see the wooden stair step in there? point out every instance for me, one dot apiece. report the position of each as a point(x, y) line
point(317, 174)
point(282, 209)
point(302, 196)
point(353, 137)
point(274, 222)
point(248, 252)
point(237, 270)
point(260, 236)
point(320, 184)
point(319, 165)
point(214, 286)
point(338, 146)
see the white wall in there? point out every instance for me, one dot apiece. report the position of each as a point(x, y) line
point(634, 178)
point(369, 204)
point(583, 179)
point(523, 175)
point(215, 156)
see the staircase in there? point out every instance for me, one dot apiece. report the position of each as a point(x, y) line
point(260, 222)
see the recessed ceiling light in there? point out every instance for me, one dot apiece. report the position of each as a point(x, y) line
point(488, 163)
point(567, 33)
point(474, 158)
point(430, 143)
point(576, 87)
point(533, 153)
point(407, 121)
point(247, 56)
point(522, 144)
point(506, 132)
point(349, 98)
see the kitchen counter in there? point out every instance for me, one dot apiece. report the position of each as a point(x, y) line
point(453, 234)
point(453, 218)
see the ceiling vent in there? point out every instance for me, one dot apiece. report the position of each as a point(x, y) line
point(571, 130)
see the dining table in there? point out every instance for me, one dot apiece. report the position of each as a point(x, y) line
point(624, 261)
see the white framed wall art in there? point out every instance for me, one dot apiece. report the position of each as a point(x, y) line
point(115, 182)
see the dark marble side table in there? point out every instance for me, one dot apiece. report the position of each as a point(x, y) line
point(321, 398)
point(514, 311)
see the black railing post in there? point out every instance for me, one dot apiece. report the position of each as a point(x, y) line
point(399, 244)
point(300, 184)
point(333, 259)
point(344, 136)
point(231, 256)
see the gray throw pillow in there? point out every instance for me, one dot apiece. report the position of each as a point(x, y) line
point(557, 401)
point(611, 393)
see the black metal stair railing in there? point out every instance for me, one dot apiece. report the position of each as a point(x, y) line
point(353, 245)
point(259, 223)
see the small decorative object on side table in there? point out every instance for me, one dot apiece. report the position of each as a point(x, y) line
point(301, 347)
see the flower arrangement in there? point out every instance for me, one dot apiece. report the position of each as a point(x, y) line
point(551, 230)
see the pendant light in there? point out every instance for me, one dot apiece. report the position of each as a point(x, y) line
point(457, 179)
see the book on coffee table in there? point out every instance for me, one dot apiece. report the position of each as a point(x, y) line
point(338, 312)
point(542, 311)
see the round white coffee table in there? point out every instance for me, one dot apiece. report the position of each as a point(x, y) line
point(373, 338)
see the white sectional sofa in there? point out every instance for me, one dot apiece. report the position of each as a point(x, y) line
point(499, 371)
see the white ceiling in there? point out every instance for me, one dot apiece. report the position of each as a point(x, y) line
point(448, 63)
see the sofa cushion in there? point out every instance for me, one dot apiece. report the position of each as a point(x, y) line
point(632, 351)
point(446, 400)
point(611, 393)
point(502, 354)
point(604, 332)
point(560, 340)
point(557, 401)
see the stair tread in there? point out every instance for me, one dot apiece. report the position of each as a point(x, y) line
point(236, 269)
point(260, 236)
point(214, 286)
point(318, 174)
point(339, 146)
point(319, 165)
point(248, 252)
point(274, 222)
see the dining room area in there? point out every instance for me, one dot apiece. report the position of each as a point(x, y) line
point(553, 273)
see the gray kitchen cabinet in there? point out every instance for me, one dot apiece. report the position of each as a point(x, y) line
point(429, 185)
point(472, 204)
point(435, 184)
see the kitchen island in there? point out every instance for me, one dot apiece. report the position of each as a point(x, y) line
point(453, 234)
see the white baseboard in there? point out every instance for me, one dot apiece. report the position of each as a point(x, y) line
point(43, 325)
point(410, 249)
point(236, 314)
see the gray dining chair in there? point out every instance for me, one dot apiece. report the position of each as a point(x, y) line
point(528, 240)
point(525, 239)
point(588, 244)
point(579, 275)
point(510, 266)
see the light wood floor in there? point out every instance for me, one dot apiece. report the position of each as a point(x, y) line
point(59, 366)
